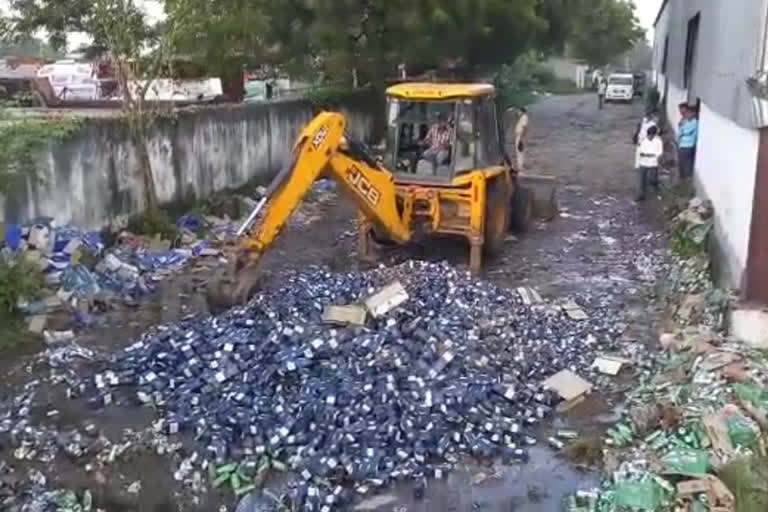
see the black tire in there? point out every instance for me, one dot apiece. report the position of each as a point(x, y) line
point(497, 214)
point(522, 210)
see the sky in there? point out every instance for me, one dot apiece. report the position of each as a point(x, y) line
point(646, 13)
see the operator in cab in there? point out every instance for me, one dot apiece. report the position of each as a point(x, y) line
point(438, 142)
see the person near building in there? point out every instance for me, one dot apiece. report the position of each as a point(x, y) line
point(688, 135)
point(522, 128)
point(649, 119)
point(602, 85)
point(647, 156)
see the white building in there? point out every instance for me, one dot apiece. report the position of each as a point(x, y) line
point(705, 53)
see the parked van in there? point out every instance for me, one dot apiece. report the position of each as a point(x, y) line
point(621, 87)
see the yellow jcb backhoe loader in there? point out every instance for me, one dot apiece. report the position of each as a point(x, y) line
point(471, 191)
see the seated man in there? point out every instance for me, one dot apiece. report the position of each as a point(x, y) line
point(438, 141)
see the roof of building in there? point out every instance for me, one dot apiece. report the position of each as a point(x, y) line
point(438, 91)
point(661, 11)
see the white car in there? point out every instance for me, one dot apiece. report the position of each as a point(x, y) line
point(621, 87)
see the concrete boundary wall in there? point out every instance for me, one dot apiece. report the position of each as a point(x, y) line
point(91, 180)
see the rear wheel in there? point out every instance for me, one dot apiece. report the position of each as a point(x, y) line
point(522, 209)
point(497, 213)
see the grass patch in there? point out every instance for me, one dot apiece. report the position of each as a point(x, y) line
point(19, 277)
point(13, 331)
point(747, 479)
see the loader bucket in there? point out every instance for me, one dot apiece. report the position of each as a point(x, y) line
point(543, 191)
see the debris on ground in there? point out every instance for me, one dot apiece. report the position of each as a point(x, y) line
point(449, 366)
point(687, 422)
point(689, 287)
point(567, 384)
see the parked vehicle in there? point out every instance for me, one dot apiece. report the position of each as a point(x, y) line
point(621, 87)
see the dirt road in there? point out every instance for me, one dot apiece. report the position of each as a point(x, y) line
point(602, 249)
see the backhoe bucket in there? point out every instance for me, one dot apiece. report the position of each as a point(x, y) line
point(543, 191)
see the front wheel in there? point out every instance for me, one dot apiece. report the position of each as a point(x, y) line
point(497, 213)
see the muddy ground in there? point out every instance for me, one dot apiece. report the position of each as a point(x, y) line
point(602, 243)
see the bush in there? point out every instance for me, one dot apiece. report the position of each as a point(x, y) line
point(516, 82)
point(19, 278)
point(326, 97)
point(153, 222)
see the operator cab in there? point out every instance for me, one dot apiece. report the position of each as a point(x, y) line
point(463, 120)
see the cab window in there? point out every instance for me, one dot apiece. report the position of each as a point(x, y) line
point(466, 138)
point(489, 152)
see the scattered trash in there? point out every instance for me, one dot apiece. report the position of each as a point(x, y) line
point(573, 310)
point(386, 300)
point(641, 492)
point(529, 295)
point(89, 278)
point(686, 461)
point(57, 337)
point(345, 315)
point(567, 384)
point(719, 498)
point(36, 324)
point(449, 366)
point(376, 502)
point(610, 365)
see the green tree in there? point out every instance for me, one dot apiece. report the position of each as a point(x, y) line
point(602, 30)
point(371, 37)
point(367, 39)
point(29, 47)
point(56, 17)
point(223, 34)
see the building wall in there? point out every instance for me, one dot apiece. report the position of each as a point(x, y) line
point(565, 69)
point(91, 180)
point(729, 50)
point(675, 96)
point(727, 178)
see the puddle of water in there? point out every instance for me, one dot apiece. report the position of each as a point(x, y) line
point(541, 485)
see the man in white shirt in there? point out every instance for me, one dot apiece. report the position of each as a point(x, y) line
point(649, 151)
point(649, 119)
point(602, 85)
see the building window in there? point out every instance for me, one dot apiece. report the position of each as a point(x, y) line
point(690, 49)
point(665, 55)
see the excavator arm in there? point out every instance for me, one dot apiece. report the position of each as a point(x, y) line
point(323, 150)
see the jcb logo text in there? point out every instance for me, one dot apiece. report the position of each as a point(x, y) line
point(320, 136)
point(361, 183)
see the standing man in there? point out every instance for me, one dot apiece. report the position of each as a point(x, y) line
point(601, 87)
point(521, 137)
point(648, 153)
point(686, 141)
